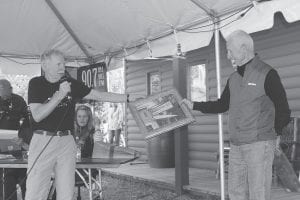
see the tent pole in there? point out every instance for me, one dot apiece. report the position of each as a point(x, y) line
point(201, 4)
point(126, 103)
point(215, 19)
point(70, 31)
point(220, 116)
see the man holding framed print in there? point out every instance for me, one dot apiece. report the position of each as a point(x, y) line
point(258, 110)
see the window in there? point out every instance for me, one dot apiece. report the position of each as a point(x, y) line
point(197, 83)
point(154, 82)
point(116, 80)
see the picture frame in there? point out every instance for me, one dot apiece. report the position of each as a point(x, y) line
point(160, 113)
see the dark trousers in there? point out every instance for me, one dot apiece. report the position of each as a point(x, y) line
point(114, 133)
point(12, 177)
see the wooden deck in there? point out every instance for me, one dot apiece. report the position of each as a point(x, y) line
point(202, 182)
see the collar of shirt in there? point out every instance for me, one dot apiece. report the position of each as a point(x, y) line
point(241, 69)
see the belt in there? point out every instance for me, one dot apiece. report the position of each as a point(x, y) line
point(50, 133)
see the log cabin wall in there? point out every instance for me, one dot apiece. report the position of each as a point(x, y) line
point(279, 47)
point(136, 83)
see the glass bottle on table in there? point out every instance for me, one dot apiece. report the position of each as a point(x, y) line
point(78, 148)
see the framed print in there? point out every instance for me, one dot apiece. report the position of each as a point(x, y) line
point(160, 113)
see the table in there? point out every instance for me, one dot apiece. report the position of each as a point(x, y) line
point(87, 164)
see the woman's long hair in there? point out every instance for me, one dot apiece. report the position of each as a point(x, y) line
point(84, 131)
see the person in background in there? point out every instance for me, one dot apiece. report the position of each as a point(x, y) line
point(13, 111)
point(84, 130)
point(257, 109)
point(52, 98)
point(115, 120)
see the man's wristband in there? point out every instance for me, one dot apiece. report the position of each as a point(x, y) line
point(127, 98)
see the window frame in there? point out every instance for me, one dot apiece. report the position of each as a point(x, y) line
point(149, 74)
point(189, 93)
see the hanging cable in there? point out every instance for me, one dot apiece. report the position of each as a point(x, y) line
point(125, 52)
point(218, 21)
point(178, 45)
point(254, 3)
point(108, 60)
point(136, 50)
point(194, 28)
point(239, 17)
point(175, 36)
point(149, 48)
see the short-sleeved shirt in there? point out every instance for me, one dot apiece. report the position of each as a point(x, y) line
point(13, 110)
point(62, 117)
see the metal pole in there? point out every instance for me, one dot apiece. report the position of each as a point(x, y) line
point(100, 184)
point(213, 15)
point(3, 183)
point(90, 184)
point(220, 117)
point(126, 103)
point(69, 29)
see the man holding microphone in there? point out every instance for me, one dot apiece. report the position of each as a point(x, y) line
point(52, 102)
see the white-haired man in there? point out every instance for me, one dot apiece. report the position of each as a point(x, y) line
point(257, 109)
point(52, 148)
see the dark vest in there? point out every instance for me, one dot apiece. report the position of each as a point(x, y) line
point(251, 111)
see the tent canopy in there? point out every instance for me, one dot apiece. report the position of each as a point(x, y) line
point(136, 28)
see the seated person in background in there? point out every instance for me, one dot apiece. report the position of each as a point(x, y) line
point(84, 130)
point(13, 111)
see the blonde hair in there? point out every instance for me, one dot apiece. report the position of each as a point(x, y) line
point(90, 124)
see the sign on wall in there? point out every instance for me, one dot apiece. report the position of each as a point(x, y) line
point(93, 76)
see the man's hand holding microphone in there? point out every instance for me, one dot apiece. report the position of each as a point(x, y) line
point(64, 89)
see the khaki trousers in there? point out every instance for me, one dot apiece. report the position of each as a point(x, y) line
point(57, 157)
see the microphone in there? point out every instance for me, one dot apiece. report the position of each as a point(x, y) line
point(66, 78)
